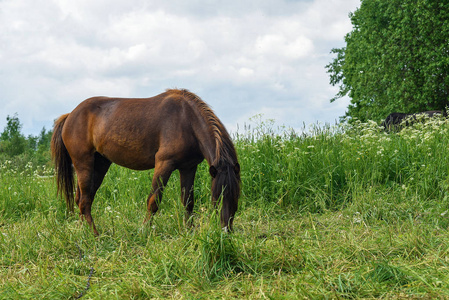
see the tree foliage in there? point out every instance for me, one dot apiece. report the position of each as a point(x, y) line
point(14, 144)
point(12, 141)
point(396, 58)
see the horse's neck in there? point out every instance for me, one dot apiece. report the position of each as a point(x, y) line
point(208, 148)
point(207, 142)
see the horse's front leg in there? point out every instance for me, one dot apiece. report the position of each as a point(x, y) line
point(187, 177)
point(162, 172)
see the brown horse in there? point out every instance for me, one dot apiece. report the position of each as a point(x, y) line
point(174, 130)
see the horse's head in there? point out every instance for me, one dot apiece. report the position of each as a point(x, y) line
point(226, 186)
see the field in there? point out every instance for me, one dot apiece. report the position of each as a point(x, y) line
point(345, 211)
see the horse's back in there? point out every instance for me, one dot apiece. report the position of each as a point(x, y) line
point(130, 131)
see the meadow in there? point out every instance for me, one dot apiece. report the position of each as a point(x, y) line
point(344, 211)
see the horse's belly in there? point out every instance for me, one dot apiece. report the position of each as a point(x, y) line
point(136, 166)
point(129, 156)
point(131, 161)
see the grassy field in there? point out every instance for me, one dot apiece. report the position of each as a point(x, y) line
point(337, 212)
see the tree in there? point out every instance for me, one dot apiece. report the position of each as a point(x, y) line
point(396, 58)
point(43, 154)
point(15, 146)
point(12, 141)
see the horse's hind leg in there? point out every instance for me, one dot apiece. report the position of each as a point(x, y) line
point(90, 174)
point(187, 177)
point(77, 195)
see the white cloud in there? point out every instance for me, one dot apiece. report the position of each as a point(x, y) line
point(242, 57)
point(272, 46)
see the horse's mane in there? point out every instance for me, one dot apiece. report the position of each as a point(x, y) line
point(226, 182)
point(224, 148)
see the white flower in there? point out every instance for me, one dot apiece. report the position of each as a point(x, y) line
point(357, 218)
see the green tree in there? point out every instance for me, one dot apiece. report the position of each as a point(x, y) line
point(12, 141)
point(396, 58)
point(43, 154)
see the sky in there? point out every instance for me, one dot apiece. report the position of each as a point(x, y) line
point(245, 58)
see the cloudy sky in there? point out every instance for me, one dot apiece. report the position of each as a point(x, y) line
point(243, 57)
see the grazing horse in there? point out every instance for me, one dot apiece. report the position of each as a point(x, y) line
point(394, 120)
point(173, 130)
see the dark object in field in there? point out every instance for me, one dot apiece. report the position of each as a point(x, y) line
point(394, 120)
point(174, 130)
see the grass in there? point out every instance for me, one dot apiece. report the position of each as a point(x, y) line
point(337, 212)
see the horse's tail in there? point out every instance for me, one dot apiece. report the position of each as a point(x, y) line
point(63, 163)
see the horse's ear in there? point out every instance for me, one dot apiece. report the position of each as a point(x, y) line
point(237, 168)
point(213, 171)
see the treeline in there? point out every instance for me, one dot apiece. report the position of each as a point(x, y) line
point(21, 149)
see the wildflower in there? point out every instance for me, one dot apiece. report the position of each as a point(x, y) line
point(357, 218)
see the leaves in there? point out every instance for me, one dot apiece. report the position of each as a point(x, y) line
point(13, 143)
point(396, 59)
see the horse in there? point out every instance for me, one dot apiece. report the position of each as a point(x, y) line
point(173, 130)
point(394, 120)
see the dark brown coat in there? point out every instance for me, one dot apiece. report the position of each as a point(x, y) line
point(174, 130)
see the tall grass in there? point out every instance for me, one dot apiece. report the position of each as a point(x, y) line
point(345, 211)
point(325, 168)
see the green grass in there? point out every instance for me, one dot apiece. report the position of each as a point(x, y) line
point(337, 212)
